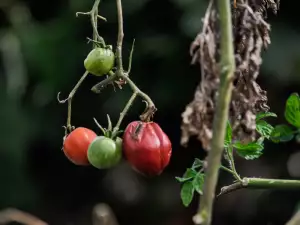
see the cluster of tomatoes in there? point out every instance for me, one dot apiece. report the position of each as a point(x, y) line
point(144, 145)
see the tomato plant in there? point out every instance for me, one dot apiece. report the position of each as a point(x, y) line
point(104, 152)
point(99, 61)
point(147, 147)
point(76, 145)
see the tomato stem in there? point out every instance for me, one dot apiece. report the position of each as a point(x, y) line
point(69, 99)
point(123, 113)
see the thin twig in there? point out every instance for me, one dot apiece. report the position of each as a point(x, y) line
point(205, 209)
point(120, 36)
point(99, 86)
point(69, 99)
point(123, 113)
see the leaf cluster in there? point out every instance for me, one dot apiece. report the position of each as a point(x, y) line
point(193, 178)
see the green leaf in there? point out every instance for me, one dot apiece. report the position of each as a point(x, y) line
point(249, 151)
point(228, 136)
point(264, 129)
point(187, 193)
point(188, 175)
point(262, 115)
point(282, 133)
point(198, 183)
point(292, 110)
point(197, 163)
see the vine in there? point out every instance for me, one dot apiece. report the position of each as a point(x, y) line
point(117, 75)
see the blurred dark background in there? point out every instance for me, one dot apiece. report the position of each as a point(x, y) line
point(42, 48)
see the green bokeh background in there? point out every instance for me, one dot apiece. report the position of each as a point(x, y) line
point(42, 48)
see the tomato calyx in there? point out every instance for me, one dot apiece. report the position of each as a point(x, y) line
point(109, 132)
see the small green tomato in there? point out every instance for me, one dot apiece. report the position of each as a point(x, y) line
point(104, 152)
point(99, 61)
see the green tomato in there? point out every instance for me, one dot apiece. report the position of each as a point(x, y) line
point(104, 152)
point(99, 61)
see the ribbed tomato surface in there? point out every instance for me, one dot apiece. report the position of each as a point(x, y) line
point(147, 148)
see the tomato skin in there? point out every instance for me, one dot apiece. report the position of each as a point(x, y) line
point(147, 148)
point(99, 61)
point(104, 152)
point(76, 145)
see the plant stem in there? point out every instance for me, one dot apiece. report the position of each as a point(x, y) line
point(94, 19)
point(261, 183)
point(94, 22)
point(231, 162)
point(137, 90)
point(120, 36)
point(69, 99)
point(124, 112)
point(99, 86)
point(204, 213)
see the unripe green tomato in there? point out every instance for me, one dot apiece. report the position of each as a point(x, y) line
point(99, 61)
point(104, 152)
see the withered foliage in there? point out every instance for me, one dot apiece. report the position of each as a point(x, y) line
point(251, 37)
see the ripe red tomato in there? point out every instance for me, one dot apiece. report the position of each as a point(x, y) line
point(76, 145)
point(147, 148)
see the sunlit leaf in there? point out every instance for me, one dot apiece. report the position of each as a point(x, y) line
point(249, 151)
point(263, 128)
point(292, 110)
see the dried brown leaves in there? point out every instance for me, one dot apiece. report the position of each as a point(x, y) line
point(251, 36)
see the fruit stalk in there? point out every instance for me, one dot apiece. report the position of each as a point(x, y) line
point(69, 99)
point(123, 113)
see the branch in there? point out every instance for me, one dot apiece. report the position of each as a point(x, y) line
point(205, 209)
point(14, 215)
point(120, 36)
point(97, 38)
point(69, 99)
point(121, 74)
point(261, 183)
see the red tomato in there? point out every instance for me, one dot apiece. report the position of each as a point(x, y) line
point(76, 145)
point(147, 148)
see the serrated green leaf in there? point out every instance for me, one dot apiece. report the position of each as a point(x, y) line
point(292, 110)
point(188, 175)
point(249, 151)
point(262, 115)
point(187, 193)
point(197, 163)
point(198, 183)
point(264, 129)
point(228, 136)
point(282, 133)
